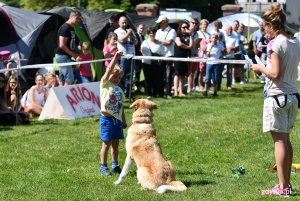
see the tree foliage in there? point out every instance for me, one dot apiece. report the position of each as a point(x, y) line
point(36, 5)
point(14, 3)
point(210, 9)
point(101, 5)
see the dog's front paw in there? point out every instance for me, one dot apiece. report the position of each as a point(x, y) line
point(119, 181)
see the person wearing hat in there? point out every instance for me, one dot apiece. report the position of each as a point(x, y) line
point(166, 35)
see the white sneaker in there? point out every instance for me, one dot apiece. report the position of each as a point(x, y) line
point(197, 89)
point(233, 81)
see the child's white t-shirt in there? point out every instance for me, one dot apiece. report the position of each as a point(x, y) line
point(111, 99)
point(216, 51)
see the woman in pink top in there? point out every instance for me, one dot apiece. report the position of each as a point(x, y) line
point(110, 49)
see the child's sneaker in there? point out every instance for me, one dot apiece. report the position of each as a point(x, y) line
point(104, 171)
point(277, 191)
point(116, 169)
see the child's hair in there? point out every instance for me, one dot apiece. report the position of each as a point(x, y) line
point(18, 86)
point(86, 45)
point(112, 34)
point(38, 74)
point(216, 36)
point(48, 76)
point(274, 15)
point(118, 71)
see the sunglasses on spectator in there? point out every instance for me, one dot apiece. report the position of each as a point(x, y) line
point(194, 22)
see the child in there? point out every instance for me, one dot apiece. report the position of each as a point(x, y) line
point(110, 49)
point(36, 97)
point(13, 94)
point(214, 51)
point(85, 69)
point(112, 115)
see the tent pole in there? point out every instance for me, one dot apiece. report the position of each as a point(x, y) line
point(131, 78)
point(249, 10)
point(248, 35)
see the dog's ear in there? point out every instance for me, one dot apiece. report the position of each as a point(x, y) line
point(153, 105)
point(135, 105)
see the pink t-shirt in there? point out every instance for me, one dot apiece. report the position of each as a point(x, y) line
point(85, 69)
point(106, 49)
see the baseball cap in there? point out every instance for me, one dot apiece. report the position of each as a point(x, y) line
point(161, 18)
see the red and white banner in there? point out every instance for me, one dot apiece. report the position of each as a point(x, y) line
point(74, 101)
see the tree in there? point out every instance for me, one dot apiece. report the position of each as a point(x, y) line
point(13, 3)
point(37, 5)
point(101, 5)
point(126, 5)
point(210, 9)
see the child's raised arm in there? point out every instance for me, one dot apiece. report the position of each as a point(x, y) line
point(111, 65)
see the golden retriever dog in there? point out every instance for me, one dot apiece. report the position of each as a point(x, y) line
point(142, 146)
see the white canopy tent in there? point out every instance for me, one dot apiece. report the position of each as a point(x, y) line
point(249, 20)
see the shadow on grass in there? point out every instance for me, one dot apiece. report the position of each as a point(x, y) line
point(237, 91)
point(5, 128)
point(10, 127)
point(11, 137)
point(198, 183)
point(190, 172)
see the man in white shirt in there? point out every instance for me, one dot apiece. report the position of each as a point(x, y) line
point(235, 28)
point(236, 68)
point(232, 45)
point(166, 35)
point(126, 44)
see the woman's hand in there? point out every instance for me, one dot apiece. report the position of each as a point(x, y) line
point(256, 68)
point(113, 48)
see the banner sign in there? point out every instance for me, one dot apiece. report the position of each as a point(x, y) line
point(74, 101)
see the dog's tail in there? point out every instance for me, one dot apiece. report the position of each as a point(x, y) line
point(172, 186)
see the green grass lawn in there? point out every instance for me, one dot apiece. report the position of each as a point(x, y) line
point(204, 138)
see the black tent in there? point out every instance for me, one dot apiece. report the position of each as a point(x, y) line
point(19, 31)
point(96, 22)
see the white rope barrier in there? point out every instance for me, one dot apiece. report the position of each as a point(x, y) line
point(189, 59)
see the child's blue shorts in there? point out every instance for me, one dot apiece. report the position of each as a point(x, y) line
point(110, 128)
